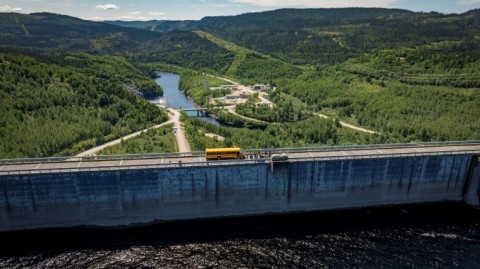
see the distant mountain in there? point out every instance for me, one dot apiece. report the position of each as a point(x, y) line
point(305, 36)
point(298, 36)
point(57, 34)
point(333, 35)
point(52, 31)
point(156, 25)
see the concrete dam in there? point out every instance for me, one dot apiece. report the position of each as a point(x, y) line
point(118, 192)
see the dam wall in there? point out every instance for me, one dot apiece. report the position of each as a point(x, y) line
point(141, 196)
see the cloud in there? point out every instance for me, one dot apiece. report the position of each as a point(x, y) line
point(131, 18)
point(121, 18)
point(157, 13)
point(468, 2)
point(107, 7)
point(321, 3)
point(10, 9)
point(134, 13)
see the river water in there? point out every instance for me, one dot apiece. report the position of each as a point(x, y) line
point(175, 98)
point(429, 236)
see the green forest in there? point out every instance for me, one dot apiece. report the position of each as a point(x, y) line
point(68, 84)
point(61, 109)
point(151, 141)
point(312, 132)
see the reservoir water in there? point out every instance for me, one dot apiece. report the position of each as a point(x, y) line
point(428, 236)
point(175, 98)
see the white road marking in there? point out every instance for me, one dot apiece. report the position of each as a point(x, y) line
point(38, 166)
point(121, 161)
point(380, 151)
point(311, 154)
point(2, 167)
point(78, 165)
point(199, 159)
point(344, 153)
point(162, 160)
point(417, 150)
point(455, 148)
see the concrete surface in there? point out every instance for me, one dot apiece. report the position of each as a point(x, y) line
point(141, 196)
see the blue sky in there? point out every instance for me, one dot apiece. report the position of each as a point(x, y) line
point(197, 9)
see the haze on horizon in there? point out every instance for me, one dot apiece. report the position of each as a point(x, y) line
point(129, 10)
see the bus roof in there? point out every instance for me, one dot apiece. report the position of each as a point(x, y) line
point(221, 149)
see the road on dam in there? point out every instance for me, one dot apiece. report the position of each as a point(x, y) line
point(75, 164)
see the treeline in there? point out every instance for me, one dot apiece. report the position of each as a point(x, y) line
point(50, 109)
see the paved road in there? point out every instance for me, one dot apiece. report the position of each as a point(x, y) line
point(182, 142)
point(174, 116)
point(198, 159)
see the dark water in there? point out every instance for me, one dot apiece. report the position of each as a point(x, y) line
point(428, 236)
point(175, 97)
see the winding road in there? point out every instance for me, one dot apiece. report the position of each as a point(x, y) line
point(182, 142)
point(174, 116)
point(263, 100)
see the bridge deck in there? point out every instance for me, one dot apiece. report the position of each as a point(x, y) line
point(197, 158)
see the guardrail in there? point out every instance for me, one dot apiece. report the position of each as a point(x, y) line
point(367, 147)
point(181, 164)
point(247, 151)
point(101, 158)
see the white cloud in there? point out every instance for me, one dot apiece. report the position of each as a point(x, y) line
point(10, 9)
point(134, 13)
point(121, 18)
point(468, 2)
point(131, 18)
point(157, 13)
point(107, 7)
point(321, 3)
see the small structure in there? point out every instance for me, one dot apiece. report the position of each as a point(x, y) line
point(244, 95)
point(224, 87)
point(232, 96)
point(261, 87)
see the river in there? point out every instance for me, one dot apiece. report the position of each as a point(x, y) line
point(174, 97)
point(428, 236)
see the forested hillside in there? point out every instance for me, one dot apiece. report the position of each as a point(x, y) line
point(329, 36)
point(52, 109)
point(410, 76)
point(59, 33)
point(53, 34)
point(335, 35)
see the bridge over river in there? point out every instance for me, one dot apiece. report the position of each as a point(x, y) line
point(139, 189)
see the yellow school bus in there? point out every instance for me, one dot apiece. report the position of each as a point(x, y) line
point(223, 153)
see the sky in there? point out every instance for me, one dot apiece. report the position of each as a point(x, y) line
point(129, 10)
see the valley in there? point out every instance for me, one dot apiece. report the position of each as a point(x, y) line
point(375, 85)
